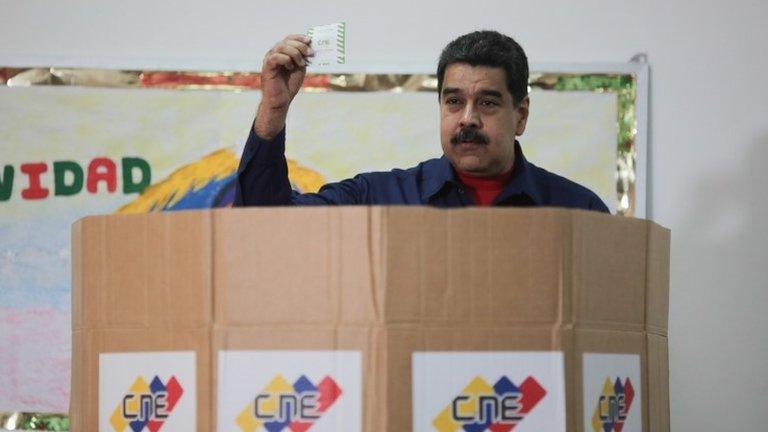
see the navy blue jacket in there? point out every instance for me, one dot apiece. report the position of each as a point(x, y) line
point(262, 180)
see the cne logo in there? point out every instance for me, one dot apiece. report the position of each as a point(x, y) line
point(613, 405)
point(282, 405)
point(146, 405)
point(481, 407)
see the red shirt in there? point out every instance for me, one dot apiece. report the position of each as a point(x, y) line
point(484, 189)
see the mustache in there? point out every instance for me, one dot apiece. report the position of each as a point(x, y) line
point(471, 135)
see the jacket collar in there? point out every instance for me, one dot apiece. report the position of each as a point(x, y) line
point(442, 175)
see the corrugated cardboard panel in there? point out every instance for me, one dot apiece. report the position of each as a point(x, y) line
point(273, 265)
point(122, 262)
point(658, 383)
point(525, 252)
point(356, 260)
point(84, 379)
point(470, 267)
point(78, 302)
point(403, 259)
point(435, 293)
point(178, 279)
point(657, 297)
point(609, 264)
point(475, 338)
point(295, 265)
point(142, 271)
point(473, 265)
point(298, 265)
point(291, 337)
point(458, 303)
point(88, 344)
point(87, 273)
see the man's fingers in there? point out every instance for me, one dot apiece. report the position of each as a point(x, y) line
point(299, 37)
point(304, 48)
point(279, 59)
point(295, 54)
point(297, 50)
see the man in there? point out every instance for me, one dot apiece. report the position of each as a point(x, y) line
point(484, 105)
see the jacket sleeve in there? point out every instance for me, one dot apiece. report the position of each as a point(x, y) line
point(262, 179)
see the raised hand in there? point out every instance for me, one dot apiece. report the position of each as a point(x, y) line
point(282, 73)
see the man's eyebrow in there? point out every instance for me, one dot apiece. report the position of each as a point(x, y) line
point(450, 90)
point(493, 93)
point(484, 92)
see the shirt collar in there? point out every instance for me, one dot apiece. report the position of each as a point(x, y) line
point(522, 181)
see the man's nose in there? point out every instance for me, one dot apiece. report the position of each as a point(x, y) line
point(470, 117)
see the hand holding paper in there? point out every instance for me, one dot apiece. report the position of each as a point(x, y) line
point(282, 73)
point(285, 66)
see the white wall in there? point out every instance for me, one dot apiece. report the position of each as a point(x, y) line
point(708, 140)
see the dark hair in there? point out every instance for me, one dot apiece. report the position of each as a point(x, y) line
point(488, 48)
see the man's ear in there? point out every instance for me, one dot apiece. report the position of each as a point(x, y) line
point(522, 112)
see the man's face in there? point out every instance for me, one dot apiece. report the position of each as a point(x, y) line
point(478, 119)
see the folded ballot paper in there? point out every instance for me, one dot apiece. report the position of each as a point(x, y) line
point(328, 42)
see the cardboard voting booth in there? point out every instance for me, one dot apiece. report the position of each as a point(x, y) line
point(370, 319)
